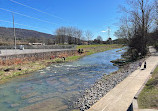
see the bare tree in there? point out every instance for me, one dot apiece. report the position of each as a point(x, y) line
point(75, 33)
point(60, 32)
point(122, 32)
point(98, 40)
point(88, 35)
point(69, 35)
point(138, 22)
point(156, 12)
point(78, 35)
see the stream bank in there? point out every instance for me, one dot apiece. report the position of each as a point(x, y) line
point(103, 86)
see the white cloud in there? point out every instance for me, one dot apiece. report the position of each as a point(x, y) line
point(104, 31)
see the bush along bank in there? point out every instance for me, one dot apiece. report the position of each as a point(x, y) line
point(103, 86)
point(128, 57)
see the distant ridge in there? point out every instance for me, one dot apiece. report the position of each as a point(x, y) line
point(24, 35)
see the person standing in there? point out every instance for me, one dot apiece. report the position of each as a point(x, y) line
point(145, 65)
point(140, 64)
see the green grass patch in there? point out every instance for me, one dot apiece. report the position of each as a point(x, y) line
point(90, 46)
point(148, 98)
point(1, 73)
point(91, 49)
point(56, 60)
point(73, 58)
point(98, 45)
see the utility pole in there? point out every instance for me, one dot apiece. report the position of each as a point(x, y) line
point(14, 32)
point(109, 32)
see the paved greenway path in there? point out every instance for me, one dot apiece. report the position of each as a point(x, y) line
point(28, 51)
point(120, 97)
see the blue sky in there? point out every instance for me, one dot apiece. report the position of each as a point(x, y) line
point(93, 15)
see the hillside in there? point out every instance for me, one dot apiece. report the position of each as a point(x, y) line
point(24, 36)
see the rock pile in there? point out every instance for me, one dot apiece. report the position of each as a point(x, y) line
point(103, 86)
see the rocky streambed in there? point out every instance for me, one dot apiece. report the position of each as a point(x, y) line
point(103, 86)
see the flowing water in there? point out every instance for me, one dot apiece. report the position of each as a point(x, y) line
point(53, 88)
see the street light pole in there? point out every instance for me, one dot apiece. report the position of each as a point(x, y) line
point(14, 32)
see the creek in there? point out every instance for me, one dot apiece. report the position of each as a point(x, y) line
point(55, 87)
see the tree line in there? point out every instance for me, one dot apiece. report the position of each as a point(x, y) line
point(139, 26)
point(73, 35)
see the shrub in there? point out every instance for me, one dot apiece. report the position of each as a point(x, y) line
point(156, 46)
point(131, 55)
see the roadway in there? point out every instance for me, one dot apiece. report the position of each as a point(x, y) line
point(27, 51)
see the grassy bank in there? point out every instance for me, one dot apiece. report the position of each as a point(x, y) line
point(26, 68)
point(88, 50)
point(91, 49)
point(148, 98)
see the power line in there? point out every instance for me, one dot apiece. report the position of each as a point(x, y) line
point(27, 16)
point(18, 23)
point(35, 9)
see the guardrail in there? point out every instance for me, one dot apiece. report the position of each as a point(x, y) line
point(41, 47)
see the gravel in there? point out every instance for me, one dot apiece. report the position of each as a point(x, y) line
point(103, 86)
